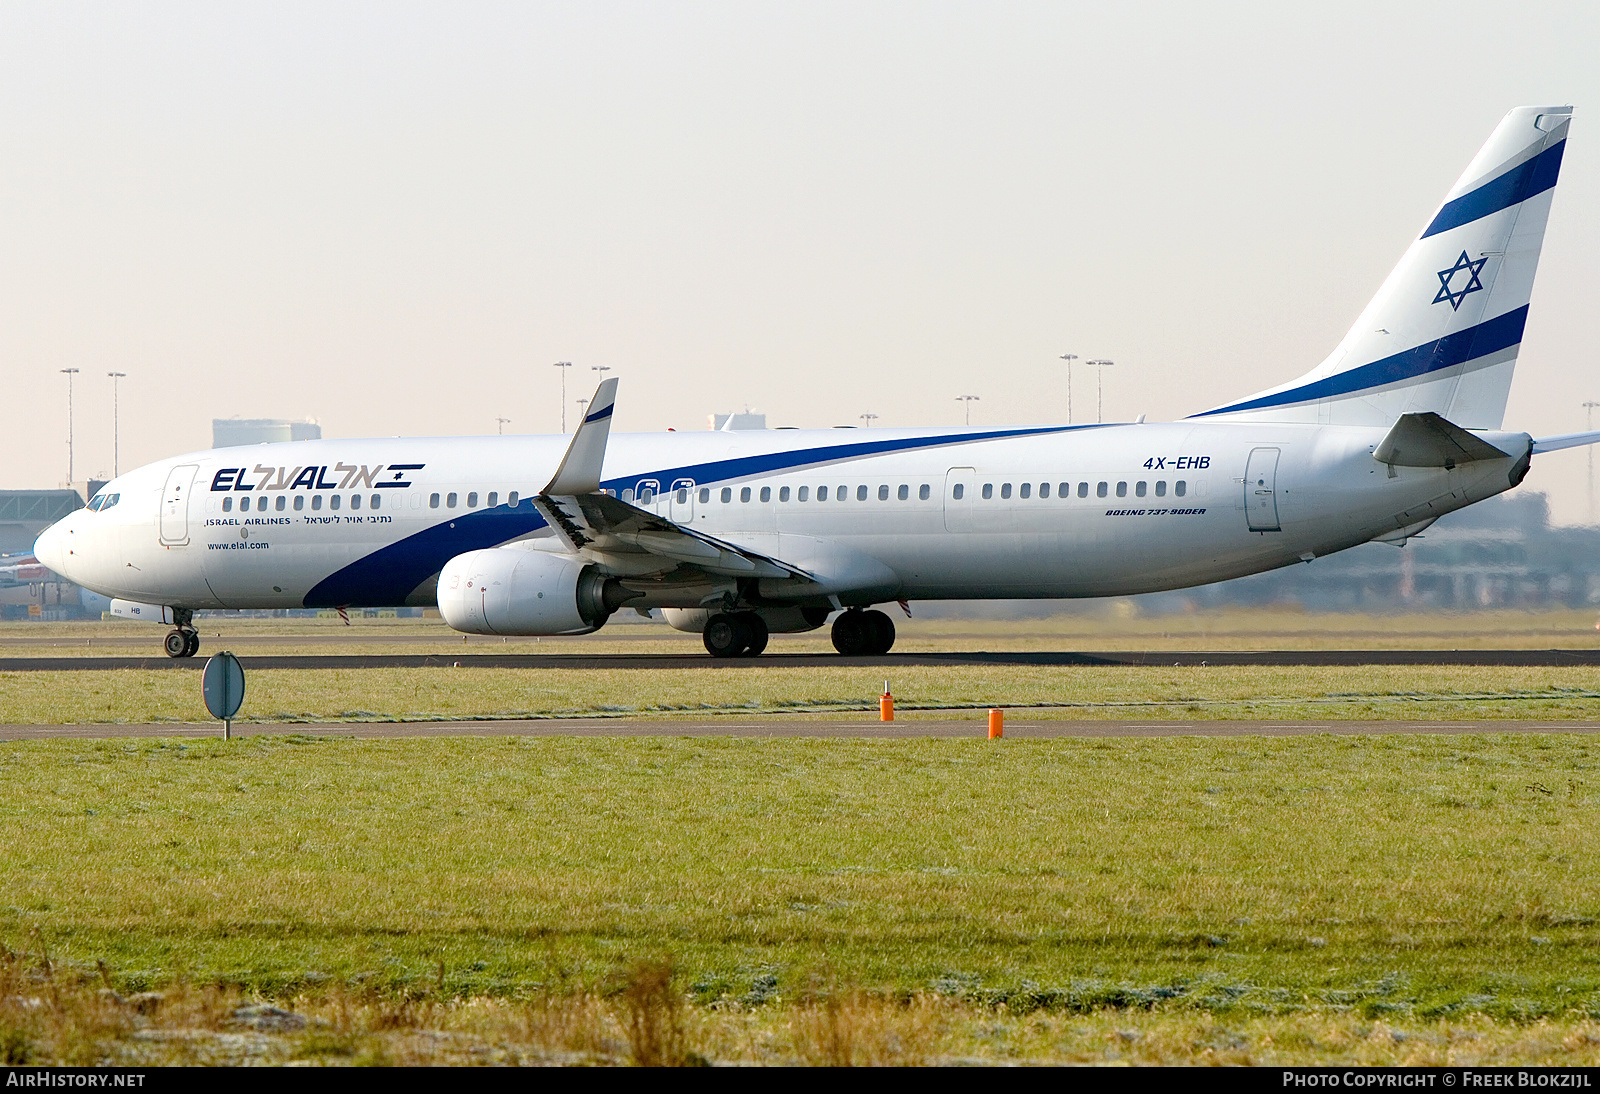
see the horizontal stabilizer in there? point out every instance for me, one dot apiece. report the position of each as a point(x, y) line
point(579, 472)
point(1564, 440)
point(1427, 440)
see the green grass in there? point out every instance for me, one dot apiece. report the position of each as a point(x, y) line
point(1360, 692)
point(1420, 877)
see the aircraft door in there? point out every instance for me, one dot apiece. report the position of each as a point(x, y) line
point(1261, 490)
point(175, 505)
point(681, 502)
point(960, 514)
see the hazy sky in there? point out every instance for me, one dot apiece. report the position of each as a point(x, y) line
point(392, 218)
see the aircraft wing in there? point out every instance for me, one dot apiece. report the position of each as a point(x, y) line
point(622, 537)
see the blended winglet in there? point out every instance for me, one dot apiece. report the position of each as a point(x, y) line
point(579, 472)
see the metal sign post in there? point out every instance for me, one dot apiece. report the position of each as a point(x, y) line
point(222, 682)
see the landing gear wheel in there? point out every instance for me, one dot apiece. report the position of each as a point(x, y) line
point(756, 632)
point(880, 630)
point(850, 633)
point(726, 635)
point(176, 644)
point(192, 645)
point(857, 633)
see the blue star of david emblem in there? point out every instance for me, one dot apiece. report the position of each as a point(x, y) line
point(1446, 277)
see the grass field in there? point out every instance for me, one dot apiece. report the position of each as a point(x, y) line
point(284, 696)
point(1311, 898)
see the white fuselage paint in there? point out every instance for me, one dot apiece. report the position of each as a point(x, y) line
point(169, 541)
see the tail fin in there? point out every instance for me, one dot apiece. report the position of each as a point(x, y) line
point(1443, 332)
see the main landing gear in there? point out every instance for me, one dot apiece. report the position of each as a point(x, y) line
point(183, 640)
point(735, 634)
point(857, 633)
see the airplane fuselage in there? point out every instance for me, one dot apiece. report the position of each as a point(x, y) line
point(1042, 512)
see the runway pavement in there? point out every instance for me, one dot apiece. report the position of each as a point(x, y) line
point(974, 727)
point(698, 660)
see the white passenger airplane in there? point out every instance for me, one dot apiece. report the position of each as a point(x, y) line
point(740, 534)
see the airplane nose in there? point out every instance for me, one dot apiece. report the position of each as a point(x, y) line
point(51, 548)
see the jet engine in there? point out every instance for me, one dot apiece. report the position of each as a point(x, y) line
point(504, 590)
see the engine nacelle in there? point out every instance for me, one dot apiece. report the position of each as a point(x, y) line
point(508, 591)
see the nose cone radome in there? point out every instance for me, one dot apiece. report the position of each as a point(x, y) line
point(51, 547)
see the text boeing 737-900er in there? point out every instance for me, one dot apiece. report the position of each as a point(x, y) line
point(737, 535)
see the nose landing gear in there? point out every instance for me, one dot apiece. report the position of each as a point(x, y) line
point(183, 640)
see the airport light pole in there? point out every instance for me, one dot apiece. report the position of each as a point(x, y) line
point(1069, 358)
point(500, 426)
point(581, 404)
point(70, 373)
point(1589, 411)
point(868, 419)
point(563, 366)
point(115, 424)
point(1101, 364)
point(968, 400)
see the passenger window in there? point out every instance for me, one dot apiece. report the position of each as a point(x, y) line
point(300, 501)
point(375, 501)
point(905, 492)
point(883, 492)
point(1005, 490)
point(744, 494)
point(861, 493)
point(988, 491)
point(683, 495)
point(227, 505)
point(494, 499)
point(333, 501)
point(355, 501)
point(627, 495)
point(843, 494)
point(783, 493)
point(646, 495)
point(283, 501)
point(1139, 489)
point(1180, 488)
point(923, 492)
point(1024, 490)
point(1099, 490)
point(433, 501)
point(822, 494)
point(958, 490)
point(727, 494)
point(1064, 490)
point(472, 499)
point(511, 498)
point(705, 494)
point(1044, 490)
point(316, 502)
point(450, 500)
point(801, 496)
point(766, 493)
point(1122, 489)
point(1161, 489)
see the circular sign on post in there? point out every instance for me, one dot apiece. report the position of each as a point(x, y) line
point(222, 682)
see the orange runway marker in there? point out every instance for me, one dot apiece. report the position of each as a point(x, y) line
point(997, 723)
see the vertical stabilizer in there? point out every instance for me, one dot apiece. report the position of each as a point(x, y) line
point(1443, 332)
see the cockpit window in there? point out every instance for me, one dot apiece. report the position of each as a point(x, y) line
point(102, 501)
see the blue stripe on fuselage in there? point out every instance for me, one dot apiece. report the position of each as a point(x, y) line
point(388, 575)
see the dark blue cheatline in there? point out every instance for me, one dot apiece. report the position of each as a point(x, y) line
point(1492, 336)
point(388, 575)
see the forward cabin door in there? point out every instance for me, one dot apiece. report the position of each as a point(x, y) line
point(175, 505)
point(1261, 490)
